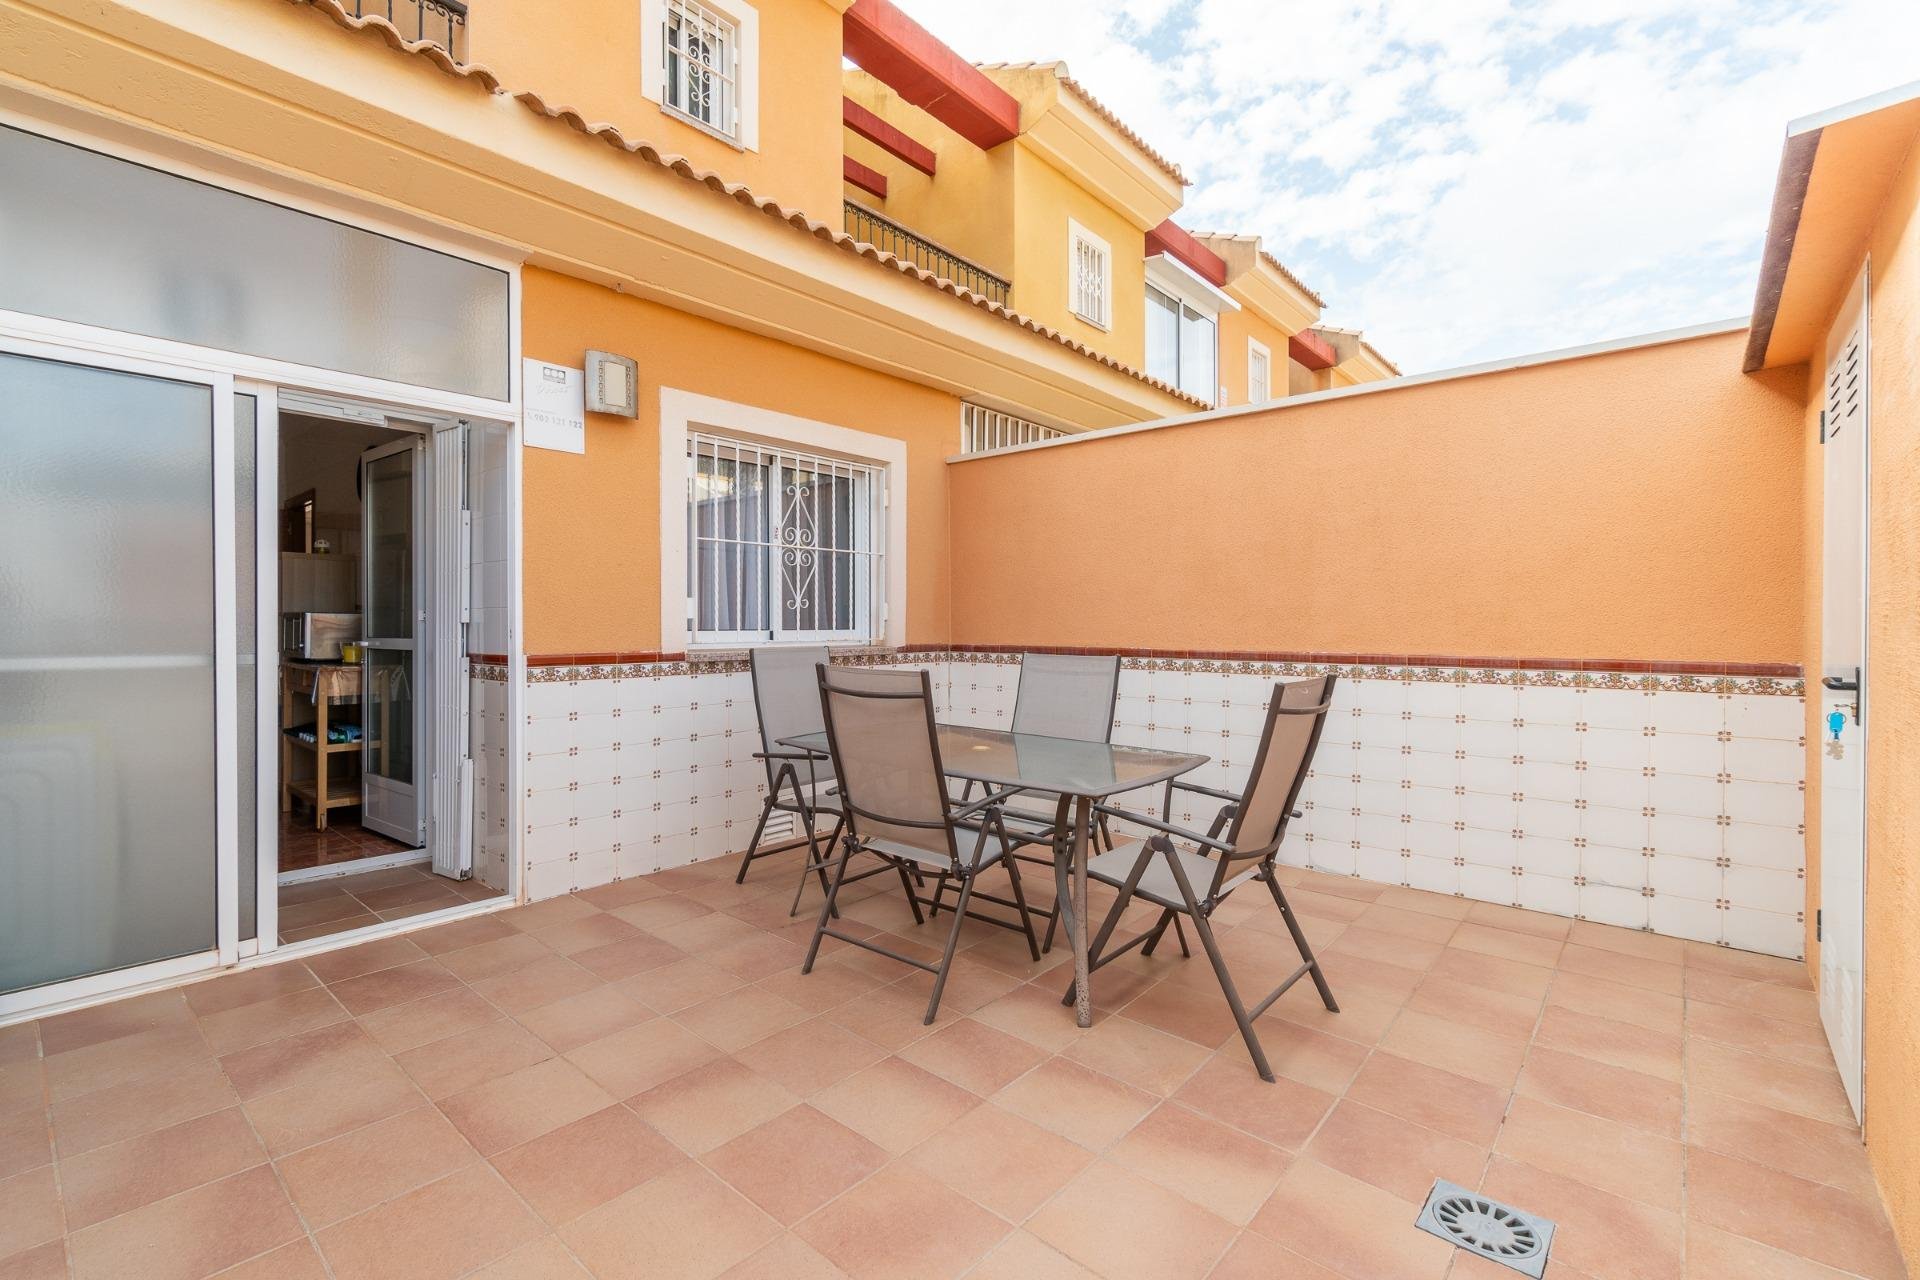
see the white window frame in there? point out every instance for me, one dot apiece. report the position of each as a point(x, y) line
point(1079, 238)
point(1191, 291)
point(1257, 351)
point(745, 21)
point(685, 414)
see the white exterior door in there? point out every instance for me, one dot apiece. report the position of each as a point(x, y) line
point(1842, 691)
point(393, 733)
point(451, 829)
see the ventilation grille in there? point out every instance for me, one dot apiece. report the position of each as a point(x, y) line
point(1497, 1232)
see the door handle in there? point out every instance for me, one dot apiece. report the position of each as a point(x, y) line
point(1839, 684)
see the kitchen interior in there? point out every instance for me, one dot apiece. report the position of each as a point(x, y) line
point(340, 867)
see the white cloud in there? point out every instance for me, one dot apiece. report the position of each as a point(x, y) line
point(1473, 178)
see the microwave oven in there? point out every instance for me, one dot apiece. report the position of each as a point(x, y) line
point(316, 637)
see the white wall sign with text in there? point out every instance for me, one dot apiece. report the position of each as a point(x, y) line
point(555, 404)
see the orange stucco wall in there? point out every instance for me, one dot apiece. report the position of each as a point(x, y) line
point(592, 521)
point(588, 56)
point(1640, 504)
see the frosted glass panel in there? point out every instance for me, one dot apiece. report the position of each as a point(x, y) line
point(95, 240)
point(106, 671)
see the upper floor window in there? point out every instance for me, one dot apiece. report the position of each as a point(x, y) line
point(1259, 373)
point(705, 71)
point(1089, 276)
point(1182, 343)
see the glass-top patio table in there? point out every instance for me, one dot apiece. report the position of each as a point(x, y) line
point(1079, 773)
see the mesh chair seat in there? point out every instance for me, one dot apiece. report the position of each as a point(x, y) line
point(926, 857)
point(1156, 883)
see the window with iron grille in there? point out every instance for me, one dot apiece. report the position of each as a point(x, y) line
point(702, 52)
point(982, 428)
point(782, 545)
point(1090, 270)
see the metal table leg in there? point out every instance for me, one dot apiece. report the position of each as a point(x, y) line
point(1083, 993)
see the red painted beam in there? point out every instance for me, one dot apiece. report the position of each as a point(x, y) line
point(885, 136)
point(867, 179)
point(900, 53)
point(1177, 244)
point(1311, 350)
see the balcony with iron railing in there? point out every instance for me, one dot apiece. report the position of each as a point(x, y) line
point(444, 22)
point(882, 232)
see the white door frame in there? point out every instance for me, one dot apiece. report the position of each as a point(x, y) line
point(1845, 415)
point(224, 948)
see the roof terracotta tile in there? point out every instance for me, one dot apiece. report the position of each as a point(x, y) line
point(738, 192)
point(1098, 108)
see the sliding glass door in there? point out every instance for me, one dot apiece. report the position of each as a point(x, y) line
point(118, 788)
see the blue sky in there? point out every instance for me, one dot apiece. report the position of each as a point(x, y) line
point(1471, 179)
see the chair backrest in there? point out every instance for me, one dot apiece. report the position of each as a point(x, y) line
point(1295, 715)
point(786, 696)
point(1067, 695)
point(886, 754)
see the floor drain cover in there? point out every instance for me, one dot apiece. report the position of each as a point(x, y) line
point(1495, 1231)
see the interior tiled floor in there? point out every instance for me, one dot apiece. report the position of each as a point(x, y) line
point(344, 840)
point(638, 1081)
point(316, 908)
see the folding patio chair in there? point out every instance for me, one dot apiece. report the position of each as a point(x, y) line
point(1193, 884)
point(893, 795)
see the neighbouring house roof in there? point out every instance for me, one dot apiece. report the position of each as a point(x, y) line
point(1279, 266)
point(1358, 339)
point(1098, 108)
point(738, 192)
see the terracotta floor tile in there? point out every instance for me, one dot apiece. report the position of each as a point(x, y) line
point(1220, 1169)
point(112, 1180)
point(1000, 1161)
point(645, 1235)
point(1603, 1235)
point(1715, 1255)
point(19, 1043)
point(1748, 965)
point(675, 986)
point(1769, 999)
point(244, 1026)
point(1607, 999)
point(1437, 904)
point(1284, 1113)
point(827, 987)
point(249, 986)
point(1630, 970)
point(583, 933)
point(399, 984)
point(658, 913)
point(1184, 1010)
point(190, 1235)
point(975, 1056)
point(542, 915)
point(738, 1018)
point(1254, 1257)
point(787, 1258)
point(544, 1259)
point(30, 1210)
point(307, 1058)
point(1341, 1222)
point(368, 957)
point(294, 1118)
point(128, 1110)
point(1772, 1037)
point(635, 1060)
point(1383, 918)
point(623, 892)
point(457, 935)
point(409, 1026)
point(1607, 1154)
point(1518, 920)
point(1076, 1102)
point(468, 1058)
point(1628, 942)
point(1527, 948)
point(1387, 948)
point(137, 1015)
point(895, 1104)
point(624, 957)
point(1137, 1054)
point(1613, 1093)
point(141, 1056)
point(1814, 1149)
point(26, 1140)
point(795, 1162)
point(522, 1105)
point(444, 1229)
point(1475, 1006)
point(1396, 1155)
point(1608, 1040)
point(296, 1261)
point(357, 1171)
point(1825, 1224)
point(568, 1023)
point(495, 958)
point(542, 982)
point(711, 1104)
point(808, 1056)
point(1468, 1110)
point(1021, 1256)
point(1363, 1018)
point(581, 1165)
point(1512, 977)
point(1122, 1226)
point(1451, 1046)
point(1034, 1014)
point(42, 1262)
point(900, 1222)
point(1770, 1082)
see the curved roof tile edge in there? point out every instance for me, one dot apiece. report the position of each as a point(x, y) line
point(1098, 108)
point(739, 192)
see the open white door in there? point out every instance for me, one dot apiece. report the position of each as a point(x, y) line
point(393, 624)
point(451, 829)
point(1843, 688)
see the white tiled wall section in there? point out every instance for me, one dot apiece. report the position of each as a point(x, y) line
point(1670, 809)
point(487, 725)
